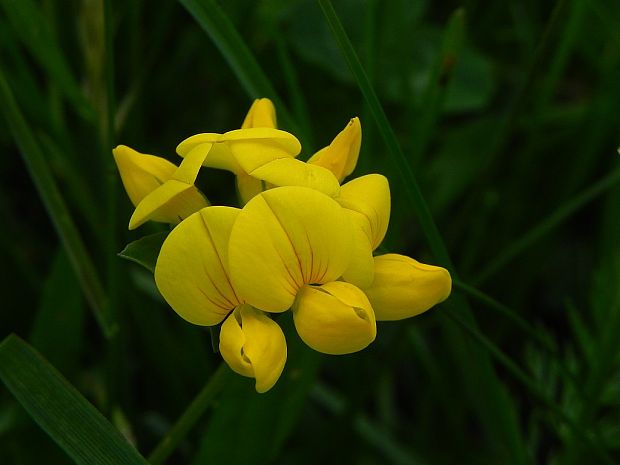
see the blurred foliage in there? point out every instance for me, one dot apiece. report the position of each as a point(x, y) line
point(505, 123)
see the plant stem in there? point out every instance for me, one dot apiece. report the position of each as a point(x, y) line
point(191, 415)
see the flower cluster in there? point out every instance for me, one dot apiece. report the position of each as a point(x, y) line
point(302, 241)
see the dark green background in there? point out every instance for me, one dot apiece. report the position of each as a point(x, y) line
point(508, 114)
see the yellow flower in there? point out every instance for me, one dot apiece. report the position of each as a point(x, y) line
point(192, 274)
point(259, 153)
point(404, 287)
point(340, 157)
point(287, 246)
point(159, 190)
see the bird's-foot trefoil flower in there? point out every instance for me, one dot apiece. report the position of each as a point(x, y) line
point(192, 274)
point(287, 248)
point(304, 240)
point(158, 189)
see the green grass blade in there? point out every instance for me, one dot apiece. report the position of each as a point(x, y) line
point(505, 312)
point(495, 404)
point(60, 410)
point(55, 206)
point(592, 441)
point(212, 19)
point(409, 182)
point(550, 222)
point(427, 115)
point(33, 30)
point(193, 413)
point(58, 330)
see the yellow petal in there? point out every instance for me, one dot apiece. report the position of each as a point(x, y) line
point(256, 146)
point(340, 157)
point(248, 187)
point(262, 114)
point(192, 268)
point(253, 345)
point(361, 268)
point(404, 287)
point(335, 318)
point(293, 172)
point(370, 196)
point(216, 154)
point(284, 238)
point(141, 174)
point(175, 199)
point(169, 203)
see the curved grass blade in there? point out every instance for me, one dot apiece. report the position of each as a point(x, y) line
point(34, 32)
point(553, 220)
point(56, 207)
point(409, 182)
point(60, 410)
point(495, 404)
point(592, 441)
point(191, 415)
point(212, 19)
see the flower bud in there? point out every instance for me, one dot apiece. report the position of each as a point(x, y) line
point(404, 287)
point(141, 174)
point(262, 114)
point(340, 157)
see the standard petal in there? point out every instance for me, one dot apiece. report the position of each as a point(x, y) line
point(404, 287)
point(255, 147)
point(335, 318)
point(284, 238)
point(262, 114)
point(141, 173)
point(361, 268)
point(192, 268)
point(253, 345)
point(293, 172)
point(370, 196)
point(340, 157)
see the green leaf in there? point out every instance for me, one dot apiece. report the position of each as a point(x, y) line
point(60, 410)
point(145, 250)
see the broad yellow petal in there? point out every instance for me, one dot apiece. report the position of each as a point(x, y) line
point(192, 268)
point(284, 238)
point(340, 157)
point(262, 114)
point(293, 172)
point(361, 268)
point(141, 173)
point(253, 345)
point(370, 196)
point(404, 287)
point(335, 318)
point(255, 147)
